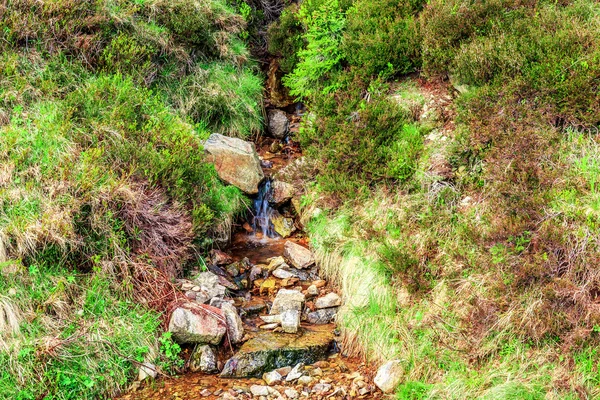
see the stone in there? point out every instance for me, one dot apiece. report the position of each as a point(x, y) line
point(278, 123)
point(305, 380)
point(287, 300)
point(271, 319)
point(236, 161)
point(290, 321)
point(317, 372)
point(147, 370)
point(268, 350)
point(328, 301)
point(284, 371)
point(277, 93)
point(312, 290)
point(255, 273)
point(218, 257)
point(190, 295)
point(268, 327)
point(203, 359)
point(197, 323)
point(283, 273)
point(389, 376)
point(276, 262)
point(291, 393)
point(322, 316)
point(272, 377)
point(281, 192)
point(233, 269)
point(235, 327)
point(210, 283)
point(295, 373)
point(282, 225)
point(320, 283)
point(205, 393)
point(300, 257)
point(321, 388)
point(259, 390)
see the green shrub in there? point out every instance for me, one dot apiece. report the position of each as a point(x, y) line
point(382, 36)
point(324, 24)
point(285, 38)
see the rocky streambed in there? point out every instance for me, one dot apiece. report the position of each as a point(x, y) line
point(259, 321)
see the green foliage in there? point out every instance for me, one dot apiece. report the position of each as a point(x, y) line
point(171, 352)
point(285, 38)
point(223, 98)
point(324, 23)
point(383, 33)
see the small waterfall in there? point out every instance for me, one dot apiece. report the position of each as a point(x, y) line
point(263, 211)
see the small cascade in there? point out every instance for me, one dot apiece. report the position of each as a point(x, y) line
point(263, 211)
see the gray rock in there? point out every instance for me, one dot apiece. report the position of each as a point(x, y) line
point(287, 300)
point(284, 273)
point(328, 301)
point(203, 359)
point(300, 257)
point(236, 161)
point(271, 377)
point(281, 192)
point(321, 317)
point(271, 350)
point(312, 290)
point(235, 327)
point(278, 124)
point(276, 262)
point(259, 390)
point(210, 284)
point(290, 321)
point(197, 324)
point(389, 376)
point(295, 373)
point(291, 394)
point(147, 370)
point(271, 319)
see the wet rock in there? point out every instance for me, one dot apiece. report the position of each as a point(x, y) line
point(278, 124)
point(295, 373)
point(389, 376)
point(322, 316)
point(233, 269)
point(300, 257)
point(275, 263)
point(203, 359)
point(269, 350)
point(210, 284)
point(328, 301)
point(281, 192)
point(282, 225)
point(254, 307)
point(194, 323)
point(284, 273)
point(290, 321)
point(271, 377)
point(235, 327)
point(147, 370)
point(218, 257)
point(259, 390)
point(287, 300)
point(236, 161)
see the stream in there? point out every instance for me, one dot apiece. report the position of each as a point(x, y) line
point(306, 361)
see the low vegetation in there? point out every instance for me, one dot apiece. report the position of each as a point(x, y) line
point(458, 178)
point(104, 192)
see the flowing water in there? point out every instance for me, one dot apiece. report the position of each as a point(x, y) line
point(263, 211)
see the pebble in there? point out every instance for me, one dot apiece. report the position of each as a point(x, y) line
point(312, 290)
point(305, 380)
point(269, 326)
point(272, 377)
point(295, 373)
point(291, 393)
point(205, 393)
point(259, 390)
point(328, 301)
point(321, 388)
point(319, 283)
point(284, 371)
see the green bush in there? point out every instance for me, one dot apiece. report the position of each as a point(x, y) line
point(382, 36)
point(285, 38)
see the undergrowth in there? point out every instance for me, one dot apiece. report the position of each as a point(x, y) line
point(105, 195)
